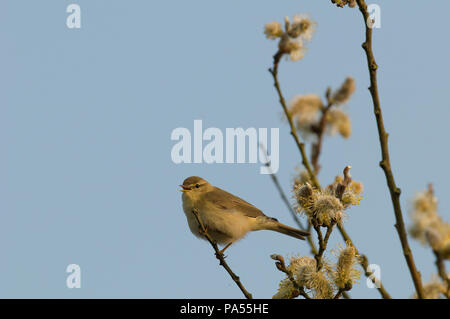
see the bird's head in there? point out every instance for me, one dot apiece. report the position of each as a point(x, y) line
point(195, 185)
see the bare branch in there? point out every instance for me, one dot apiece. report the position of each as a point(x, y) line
point(300, 145)
point(320, 129)
point(441, 271)
point(220, 257)
point(323, 242)
point(385, 162)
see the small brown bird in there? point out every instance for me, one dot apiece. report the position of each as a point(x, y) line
point(226, 217)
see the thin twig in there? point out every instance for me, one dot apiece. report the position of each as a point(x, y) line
point(339, 293)
point(281, 266)
point(364, 262)
point(316, 148)
point(220, 257)
point(300, 145)
point(385, 162)
point(294, 215)
point(323, 242)
point(288, 205)
point(441, 271)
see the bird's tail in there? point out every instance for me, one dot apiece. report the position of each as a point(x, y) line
point(285, 229)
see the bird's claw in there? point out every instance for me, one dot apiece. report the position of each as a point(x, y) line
point(220, 255)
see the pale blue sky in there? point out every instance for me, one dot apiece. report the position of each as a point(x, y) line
point(85, 124)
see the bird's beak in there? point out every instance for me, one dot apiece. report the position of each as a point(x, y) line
point(185, 188)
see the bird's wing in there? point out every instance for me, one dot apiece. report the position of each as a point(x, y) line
point(226, 201)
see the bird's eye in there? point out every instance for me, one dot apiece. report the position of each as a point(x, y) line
point(197, 185)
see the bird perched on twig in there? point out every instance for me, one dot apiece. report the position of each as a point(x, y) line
point(227, 218)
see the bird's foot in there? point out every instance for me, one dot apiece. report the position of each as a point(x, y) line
point(220, 252)
point(220, 255)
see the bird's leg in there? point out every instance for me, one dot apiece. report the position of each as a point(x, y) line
point(223, 250)
point(228, 245)
point(203, 231)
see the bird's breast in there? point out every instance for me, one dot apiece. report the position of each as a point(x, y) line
point(223, 225)
point(188, 207)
